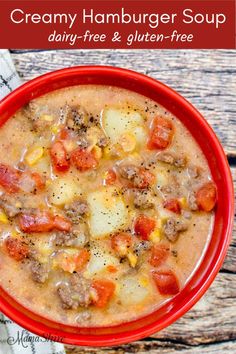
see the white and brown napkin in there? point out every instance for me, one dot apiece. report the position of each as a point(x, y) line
point(9, 78)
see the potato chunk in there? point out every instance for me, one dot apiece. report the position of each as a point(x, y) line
point(141, 135)
point(117, 122)
point(132, 292)
point(43, 166)
point(63, 190)
point(100, 259)
point(162, 177)
point(108, 212)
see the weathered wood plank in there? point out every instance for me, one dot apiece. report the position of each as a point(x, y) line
point(206, 78)
point(210, 321)
point(230, 261)
point(159, 347)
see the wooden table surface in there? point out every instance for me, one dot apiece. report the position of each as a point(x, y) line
point(208, 80)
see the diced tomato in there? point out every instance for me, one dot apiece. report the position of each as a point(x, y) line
point(104, 290)
point(206, 197)
point(144, 226)
point(81, 260)
point(16, 248)
point(66, 262)
point(172, 205)
point(39, 180)
point(166, 282)
point(43, 222)
point(121, 243)
point(145, 179)
point(9, 178)
point(161, 134)
point(59, 157)
point(112, 269)
point(159, 255)
point(63, 134)
point(75, 262)
point(110, 177)
point(83, 160)
point(61, 223)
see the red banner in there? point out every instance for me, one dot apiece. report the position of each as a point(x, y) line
point(117, 24)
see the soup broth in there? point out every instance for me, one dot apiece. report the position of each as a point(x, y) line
point(106, 206)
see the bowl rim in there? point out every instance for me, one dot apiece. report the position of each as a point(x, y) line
point(113, 339)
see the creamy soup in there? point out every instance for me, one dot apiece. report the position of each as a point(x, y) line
point(106, 205)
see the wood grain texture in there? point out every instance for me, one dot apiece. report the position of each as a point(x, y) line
point(160, 347)
point(208, 80)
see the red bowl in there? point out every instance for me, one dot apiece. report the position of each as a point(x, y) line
point(216, 251)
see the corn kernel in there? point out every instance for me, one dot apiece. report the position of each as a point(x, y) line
point(41, 206)
point(118, 287)
point(135, 155)
point(133, 259)
point(55, 129)
point(105, 174)
point(54, 264)
point(44, 249)
point(47, 117)
point(43, 259)
point(159, 223)
point(93, 294)
point(3, 218)
point(34, 155)
point(15, 234)
point(183, 202)
point(106, 152)
point(18, 205)
point(71, 251)
point(155, 236)
point(144, 281)
point(128, 142)
point(164, 220)
point(132, 214)
point(48, 182)
point(97, 151)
